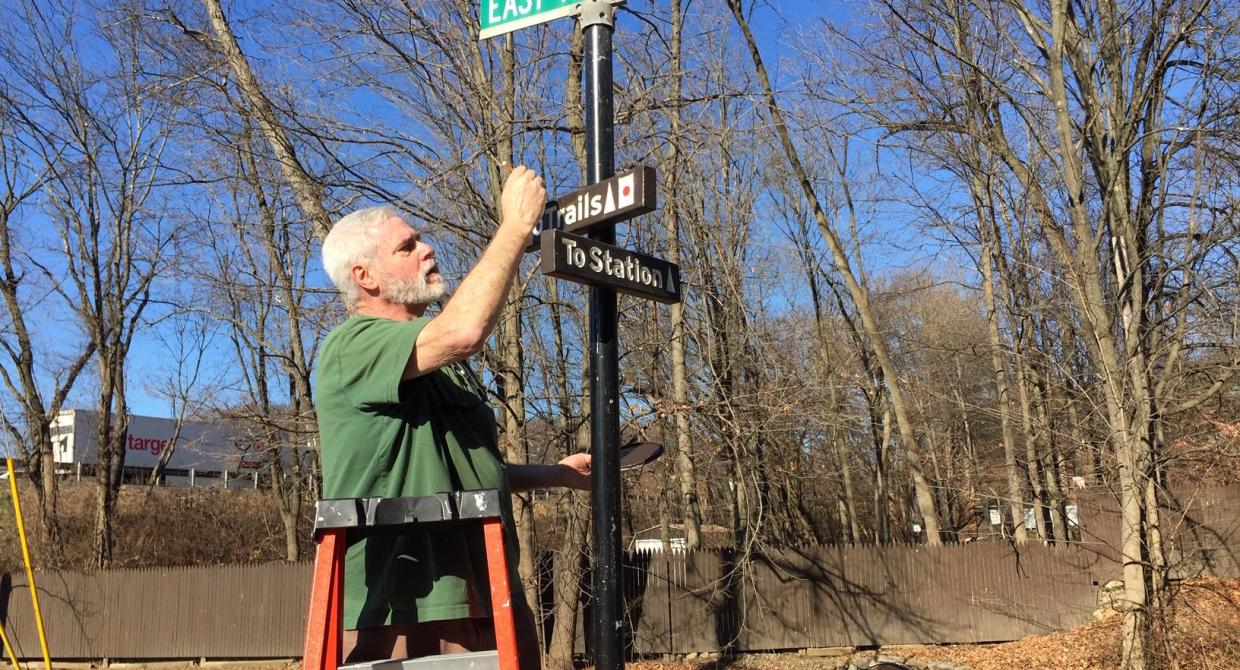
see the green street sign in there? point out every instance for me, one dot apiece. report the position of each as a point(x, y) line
point(504, 16)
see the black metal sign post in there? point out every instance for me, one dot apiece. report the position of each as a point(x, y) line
point(607, 199)
point(597, 21)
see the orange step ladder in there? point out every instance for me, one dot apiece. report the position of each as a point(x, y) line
point(341, 522)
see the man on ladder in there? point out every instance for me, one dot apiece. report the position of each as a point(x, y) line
point(401, 414)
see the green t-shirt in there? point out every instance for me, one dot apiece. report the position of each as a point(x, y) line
point(380, 436)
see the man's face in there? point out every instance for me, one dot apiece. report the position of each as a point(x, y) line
point(405, 265)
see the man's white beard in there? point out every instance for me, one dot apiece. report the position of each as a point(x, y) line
point(416, 291)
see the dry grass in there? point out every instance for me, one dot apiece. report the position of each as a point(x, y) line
point(171, 526)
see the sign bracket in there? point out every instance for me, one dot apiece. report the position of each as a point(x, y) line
point(597, 12)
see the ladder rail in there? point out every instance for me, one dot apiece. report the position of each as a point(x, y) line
point(340, 522)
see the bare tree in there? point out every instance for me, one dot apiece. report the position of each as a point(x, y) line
point(106, 131)
point(857, 291)
point(186, 388)
point(23, 146)
point(686, 470)
point(1090, 109)
point(307, 190)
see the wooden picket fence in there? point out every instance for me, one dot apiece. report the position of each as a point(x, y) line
point(676, 603)
point(854, 596)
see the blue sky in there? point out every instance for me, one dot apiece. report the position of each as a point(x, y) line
point(154, 350)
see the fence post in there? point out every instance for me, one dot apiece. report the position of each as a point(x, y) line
point(667, 588)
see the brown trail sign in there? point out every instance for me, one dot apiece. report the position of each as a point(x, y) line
point(584, 260)
point(630, 193)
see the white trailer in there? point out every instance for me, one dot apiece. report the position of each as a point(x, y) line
point(200, 447)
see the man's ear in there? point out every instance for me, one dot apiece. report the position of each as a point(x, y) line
point(364, 278)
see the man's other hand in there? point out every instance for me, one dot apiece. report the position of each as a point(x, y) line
point(575, 471)
point(523, 199)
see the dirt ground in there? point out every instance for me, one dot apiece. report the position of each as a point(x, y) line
point(1201, 631)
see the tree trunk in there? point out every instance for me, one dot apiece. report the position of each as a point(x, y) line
point(686, 468)
point(849, 501)
point(49, 504)
point(511, 364)
point(880, 432)
point(306, 190)
point(569, 573)
point(111, 434)
point(1033, 465)
point(1049, 453)
point(572, 558)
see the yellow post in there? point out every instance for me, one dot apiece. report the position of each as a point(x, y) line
point(9, 648)
point(34, 592)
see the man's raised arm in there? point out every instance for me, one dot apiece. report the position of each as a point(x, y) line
point(471, 314)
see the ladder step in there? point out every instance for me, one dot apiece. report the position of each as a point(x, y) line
point(474, 660)
point(364, 516)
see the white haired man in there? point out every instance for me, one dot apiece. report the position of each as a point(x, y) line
point(400, 414)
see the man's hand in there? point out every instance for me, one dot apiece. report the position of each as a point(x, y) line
point(575, 471)
point(523, 200)
point(571, 473)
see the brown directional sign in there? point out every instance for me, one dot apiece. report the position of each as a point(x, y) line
point(619, 198)
point(630, 193)
point(581, 259)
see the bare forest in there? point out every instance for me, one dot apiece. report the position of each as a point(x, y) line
point(947, 264)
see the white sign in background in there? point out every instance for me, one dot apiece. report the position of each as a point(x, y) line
point(202, 446)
